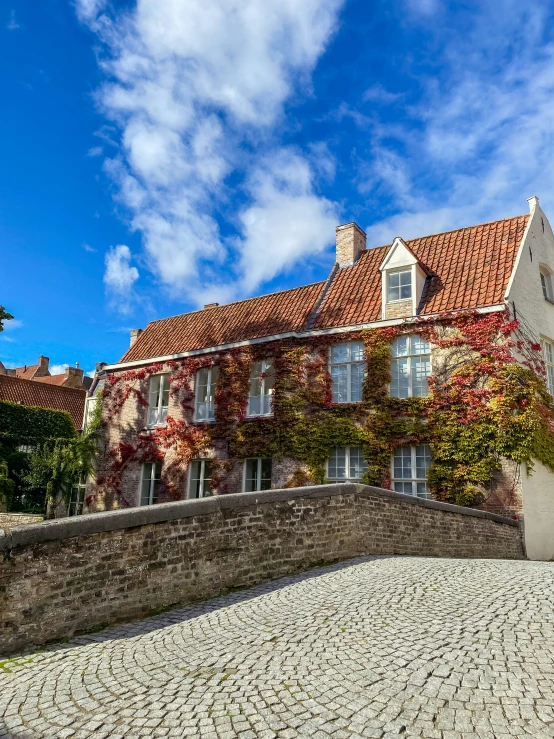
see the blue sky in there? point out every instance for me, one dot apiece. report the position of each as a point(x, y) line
point(163, 154)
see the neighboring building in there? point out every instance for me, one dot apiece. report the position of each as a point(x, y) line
point(40, 372)
point(31, 393)
point(331, 380)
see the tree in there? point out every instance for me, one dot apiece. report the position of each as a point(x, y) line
point(4, 316)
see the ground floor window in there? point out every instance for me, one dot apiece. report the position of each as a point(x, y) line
point(409, 470)
point(346, 464)
point(200, 478)
point(77, 500)
point(257, 474)
point(151, 475)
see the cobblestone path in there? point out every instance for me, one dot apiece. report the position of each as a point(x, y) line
point(375, 647)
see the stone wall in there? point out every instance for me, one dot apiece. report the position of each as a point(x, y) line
point(68, 575)
point(9, 520)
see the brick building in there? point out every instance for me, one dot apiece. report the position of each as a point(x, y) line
point(40, 372)
point(281, 390)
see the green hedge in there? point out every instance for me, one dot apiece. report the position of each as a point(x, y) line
point(24, 423)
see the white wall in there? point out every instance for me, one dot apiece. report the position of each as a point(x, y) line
point(526, 292)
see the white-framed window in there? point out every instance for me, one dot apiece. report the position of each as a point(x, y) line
point(77, 500)
point(346, 464)
point(549, 359)
point(200, 474)
point(257, 474)
point(158, 399)
point(262, 383)
point(150, 482)
point(410, 465)
point(204, 406)
point(410, 367)
point(546, 283)
point(399, 285)
point(347, 368)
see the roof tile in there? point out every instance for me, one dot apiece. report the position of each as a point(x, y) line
point(29, 392)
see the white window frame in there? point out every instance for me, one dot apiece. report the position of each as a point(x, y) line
point(349, 364)
point(213, 372)
point(259, 475)
point(414, 480)
point(347, 465)
point(77, 500)
point(160, 409)
point(153, 481)
point(548, 351)
point(400, 271)
point(203, 463)
point(409, 358)
point(267, 367)
point(546, 282)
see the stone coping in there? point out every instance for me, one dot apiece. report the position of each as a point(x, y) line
point(94, 523)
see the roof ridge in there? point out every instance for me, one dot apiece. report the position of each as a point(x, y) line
point(467, 228)
point(32, 382)
point(236, 302)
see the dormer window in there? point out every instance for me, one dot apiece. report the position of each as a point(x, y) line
point(546, 283)
point(400, 285)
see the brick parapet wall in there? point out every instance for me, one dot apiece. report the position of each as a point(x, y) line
point(75, 574)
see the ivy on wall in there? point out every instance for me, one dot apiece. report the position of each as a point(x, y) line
point(483, 405)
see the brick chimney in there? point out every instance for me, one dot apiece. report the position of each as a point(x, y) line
point(135, 333)
point(211, 305)
point(42, 367)
point(351, 240)
point(73, 377)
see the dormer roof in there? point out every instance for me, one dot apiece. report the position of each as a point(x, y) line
point(400, 254)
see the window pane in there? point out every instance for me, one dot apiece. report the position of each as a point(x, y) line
point(266, 474)
point(269, 384)
point(357, 351)
point(358, 464)
point(421, 369)
point(164, 387)
point(195, 472)
point(207, 483)
point(544, 285)
point(337, 464)
point(251, 475)
point(394, 286)
point(340, 383)
point(399, 347)
point(551, 379)
point(356, 382)
point(339, 353)
point(549, 348)
point(405, 285)
point(402, 487)
point(423, 461)
point(419, 345)
point(399, 387)
point(403, 463)
point(254, 405)
point(202, 394)
point(422, 490)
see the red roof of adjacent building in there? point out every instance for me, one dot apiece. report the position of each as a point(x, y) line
point(32, 393)
point(52, 379)
point(27, 372)
point(466, 268)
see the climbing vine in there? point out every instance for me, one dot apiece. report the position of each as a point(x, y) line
point(487, 401)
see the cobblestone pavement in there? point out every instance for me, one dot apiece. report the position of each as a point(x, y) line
point(375, 647)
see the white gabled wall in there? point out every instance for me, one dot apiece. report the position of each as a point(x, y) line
point(525, 293)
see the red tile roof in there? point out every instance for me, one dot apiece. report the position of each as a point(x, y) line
point(29, 392)
point(52, 379)
point(248, 319)
point(467, 268)
point(26, 373)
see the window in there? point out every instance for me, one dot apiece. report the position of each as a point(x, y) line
point(346, 464)
point(158, 399)
point(546, 283)
point(549, 358)
point(410, 367)
point(410, 465)
point(400, 285)
point(151, 474)
point(257, 475)
point(262, 382)
point(204, 407)
point(77, 500)
point(200, 478)
point(347, 372)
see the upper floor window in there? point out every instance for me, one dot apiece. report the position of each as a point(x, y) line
point(204, 406)
point(347, 372)
point(399, 285)
point(410, 466)
point(200, 478)
point(257, 474)
point(546, 283)
point(158, 399)
point(549, 359)
point(150, 482)
point(410, 367)
point(262, 382)
point(346, 464)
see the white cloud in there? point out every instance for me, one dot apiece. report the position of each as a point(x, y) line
point(196, 93)
point(12, 23)
point(478, 142)
point(12, 324)
point(88, 248)
point(58, 369)
point(95, 151)
point(120, 276)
